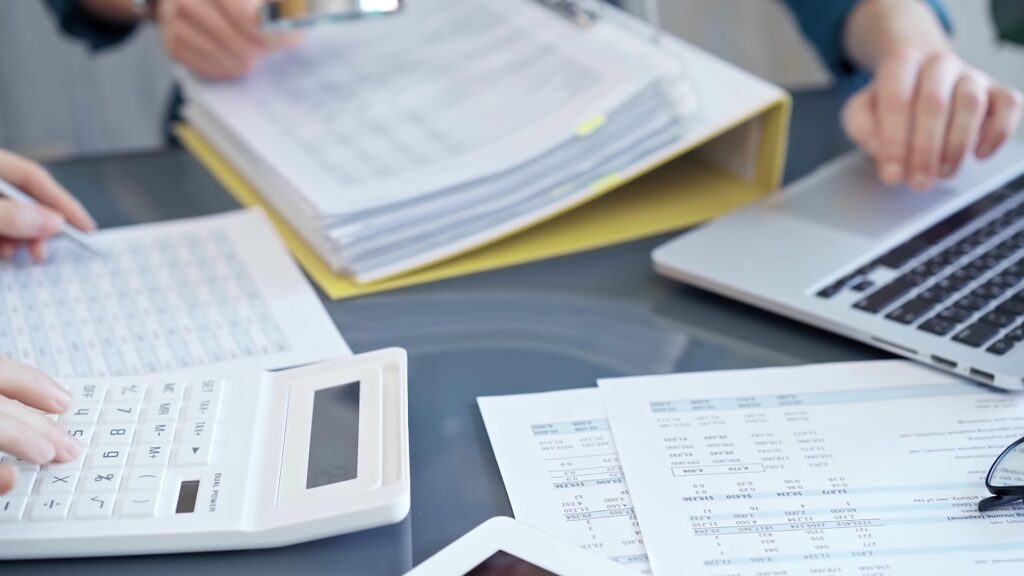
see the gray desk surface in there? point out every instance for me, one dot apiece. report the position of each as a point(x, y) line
point(546, 326)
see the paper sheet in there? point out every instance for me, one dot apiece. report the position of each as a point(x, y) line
point(562, 472)
point(164, 297)
point(870, 468)
point(460, 90)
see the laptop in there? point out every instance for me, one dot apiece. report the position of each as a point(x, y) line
point(934, 276)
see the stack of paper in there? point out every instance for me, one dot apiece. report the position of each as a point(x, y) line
point(391, 144)
point(862, 468)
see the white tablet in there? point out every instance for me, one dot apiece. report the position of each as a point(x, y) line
point(504, 547)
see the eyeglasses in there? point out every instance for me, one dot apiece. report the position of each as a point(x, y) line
point(1006, 478)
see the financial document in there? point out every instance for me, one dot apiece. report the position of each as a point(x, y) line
point(562, 471)
point(460, 90)
point(869, 469)
point(163, 297)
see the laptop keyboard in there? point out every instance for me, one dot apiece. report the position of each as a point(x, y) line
point(962, 278)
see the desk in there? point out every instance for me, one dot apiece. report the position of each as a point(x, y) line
point(546, 326)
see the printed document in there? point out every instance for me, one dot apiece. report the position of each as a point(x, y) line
point(164, 297)
point(868, 469)
point(562, 471)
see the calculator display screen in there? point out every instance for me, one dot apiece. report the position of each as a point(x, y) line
point(334, 436)
point(505, 564)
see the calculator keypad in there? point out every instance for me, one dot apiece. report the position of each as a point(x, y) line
point(133, 434)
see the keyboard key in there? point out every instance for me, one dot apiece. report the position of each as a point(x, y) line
point(885, 296)
point(107, 457)
point(121, 412)
point(138, 504)
point(50, 507)
point(971, 303)
point(206, 389)
point(911, 311)
point(166, 392)
point(193, 454)
point(863, 286)
point(162, 411)
point(1000, 318)
point(82, 432)
point(12, 508)
point(144, 480)
point(156, 432)
point(94, 506)
point(94, 481)
point(1002, 347)
point(115, 435)
point(151, 455)
point(977, 334)
point(24, 484)
point(127, 393)
point(57, 483)
point(1017, 334)
point(197, 431)
point(86, 414)
point(956, 315)
point(200, 408)
point(88, 393)
point(1014, 305)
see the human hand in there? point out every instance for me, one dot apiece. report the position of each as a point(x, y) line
point(24, 432)
point(924, 113)
point(32, 225)
point(219, 39)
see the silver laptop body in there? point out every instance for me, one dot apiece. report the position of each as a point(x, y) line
point(937, 276)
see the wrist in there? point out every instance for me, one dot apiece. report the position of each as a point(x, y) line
point(879, 30)
point(145, 9)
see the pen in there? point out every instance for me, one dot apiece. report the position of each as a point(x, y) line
point(72, 233)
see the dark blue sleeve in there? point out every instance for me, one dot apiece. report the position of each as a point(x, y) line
point(822, 22)
point(75, 21)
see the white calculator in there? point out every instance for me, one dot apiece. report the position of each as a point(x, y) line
point(216, 461)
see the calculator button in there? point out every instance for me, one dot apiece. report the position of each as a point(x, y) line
point(84, 414)
point(99, 480)
point(115, 434)
point(50, 507)
point(138, 505)
point(193, 454)
point(126, 393)
point(12, 508)
point(162, 411)
point(197, 431)
point(81, 432)
point(166, 391)
point(121, 412)
point(156, 432)
point(69, 466)
point(21, 465)
point(151, 455)
point(57, 483)
point(108, 457)
point(94, 506)
point(85, 393)
point(206, 389)
point(199, 408)
point(23, 485)
point(144, 480)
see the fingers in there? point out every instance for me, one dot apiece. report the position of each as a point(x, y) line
point(33, 437)
point(38, 183)
point(32, 387)
point(1004, 114)
point(858, 118)
point(20, 221)
point(896, 82)
point(931, 114)
point(970, 101)
point(219, 39)
point(8, 478)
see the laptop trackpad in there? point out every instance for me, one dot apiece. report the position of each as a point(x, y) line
point(847, 195)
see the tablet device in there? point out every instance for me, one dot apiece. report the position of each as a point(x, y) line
point(503, 547)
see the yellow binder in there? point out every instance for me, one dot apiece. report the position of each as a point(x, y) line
point(734, 153)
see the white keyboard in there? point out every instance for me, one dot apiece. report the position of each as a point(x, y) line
point(134, 434)
point(219, 460)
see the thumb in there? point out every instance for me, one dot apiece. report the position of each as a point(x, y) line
point(28, 222)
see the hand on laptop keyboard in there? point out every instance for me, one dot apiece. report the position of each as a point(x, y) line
point(924, 113)
point(25, 432)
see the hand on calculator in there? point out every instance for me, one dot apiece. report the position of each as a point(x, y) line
point(27, 397)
